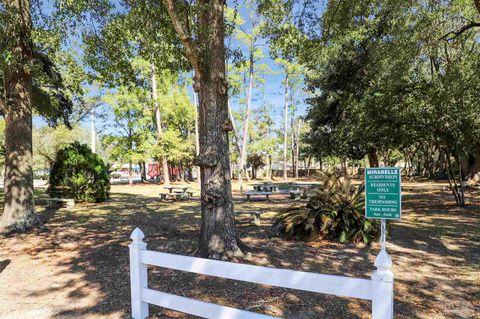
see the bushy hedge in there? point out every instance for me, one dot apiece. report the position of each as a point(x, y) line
point(334, 212)
point(80, 174)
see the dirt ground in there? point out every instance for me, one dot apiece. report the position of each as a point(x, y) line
point(78, 268)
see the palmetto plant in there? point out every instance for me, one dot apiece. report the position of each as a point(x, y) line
point(335, 212)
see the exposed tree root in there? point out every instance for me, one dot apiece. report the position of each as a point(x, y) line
point(21, 225)
point(218, 251)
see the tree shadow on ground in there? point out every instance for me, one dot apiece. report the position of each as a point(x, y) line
point(88, 246)
point(3, 264)
point(437, 246)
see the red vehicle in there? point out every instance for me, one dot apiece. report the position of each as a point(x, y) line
point(153, 170)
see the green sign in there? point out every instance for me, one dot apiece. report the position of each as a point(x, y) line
point(383, 197)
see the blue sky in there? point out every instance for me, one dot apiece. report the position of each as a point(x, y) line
point(273, 87)
point(272, 92)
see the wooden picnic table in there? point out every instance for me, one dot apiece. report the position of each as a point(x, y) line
point(179, 188)
point(177, 192)
point(266, 187)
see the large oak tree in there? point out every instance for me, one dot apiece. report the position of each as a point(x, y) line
point(206, 52)
point(16, 107)
point(29, 79)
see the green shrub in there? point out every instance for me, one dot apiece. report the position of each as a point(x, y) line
point(334, 212)
point(80, 174)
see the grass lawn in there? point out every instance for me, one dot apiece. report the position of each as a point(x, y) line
point(78, 267)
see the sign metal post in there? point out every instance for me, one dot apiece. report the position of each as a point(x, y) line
point(383, 200)
point(383, 233)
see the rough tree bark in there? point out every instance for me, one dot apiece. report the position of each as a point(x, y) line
point(372, 157)
point(16, 104)
point(218, 236)
point(158, 122)
point(473, 169)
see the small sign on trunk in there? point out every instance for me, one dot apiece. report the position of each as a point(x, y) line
point(383, 197)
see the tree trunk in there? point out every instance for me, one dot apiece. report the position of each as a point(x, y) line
point(293, 158)
point(294, 152)
point(130, 174)
point(92, 132)
point(473, 173)
point(181, 174)
point(285, 128)
point(143, 171)
point(218, 236)
point(197, 138)
point(462, 188)
point(237, 146)
point(457, 189)
point(218, 233)
point(267, 173)
point(407, 166)
point(297, 145)
point(243, 156)
point(19, 206)
point(308, 165)
point(441, 164)
point(372, 157)
point(343, 165)
point(158, 120)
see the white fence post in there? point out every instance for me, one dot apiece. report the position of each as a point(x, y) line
point(138, 275)
point(379, 289)
point(382, 287)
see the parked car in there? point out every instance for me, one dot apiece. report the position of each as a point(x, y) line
point(43, 175)
point(119, 175)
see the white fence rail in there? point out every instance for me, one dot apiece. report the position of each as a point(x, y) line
point(379, 289)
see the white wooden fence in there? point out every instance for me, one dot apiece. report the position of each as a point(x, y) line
point(379, 289)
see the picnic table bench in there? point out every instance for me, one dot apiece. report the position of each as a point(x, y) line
point(255, 215)
point(257, 193)
point(56, 202)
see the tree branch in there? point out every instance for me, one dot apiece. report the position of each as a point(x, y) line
point(183, 32)
point(477, 5)
point(327, 33)
point(453, 34)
